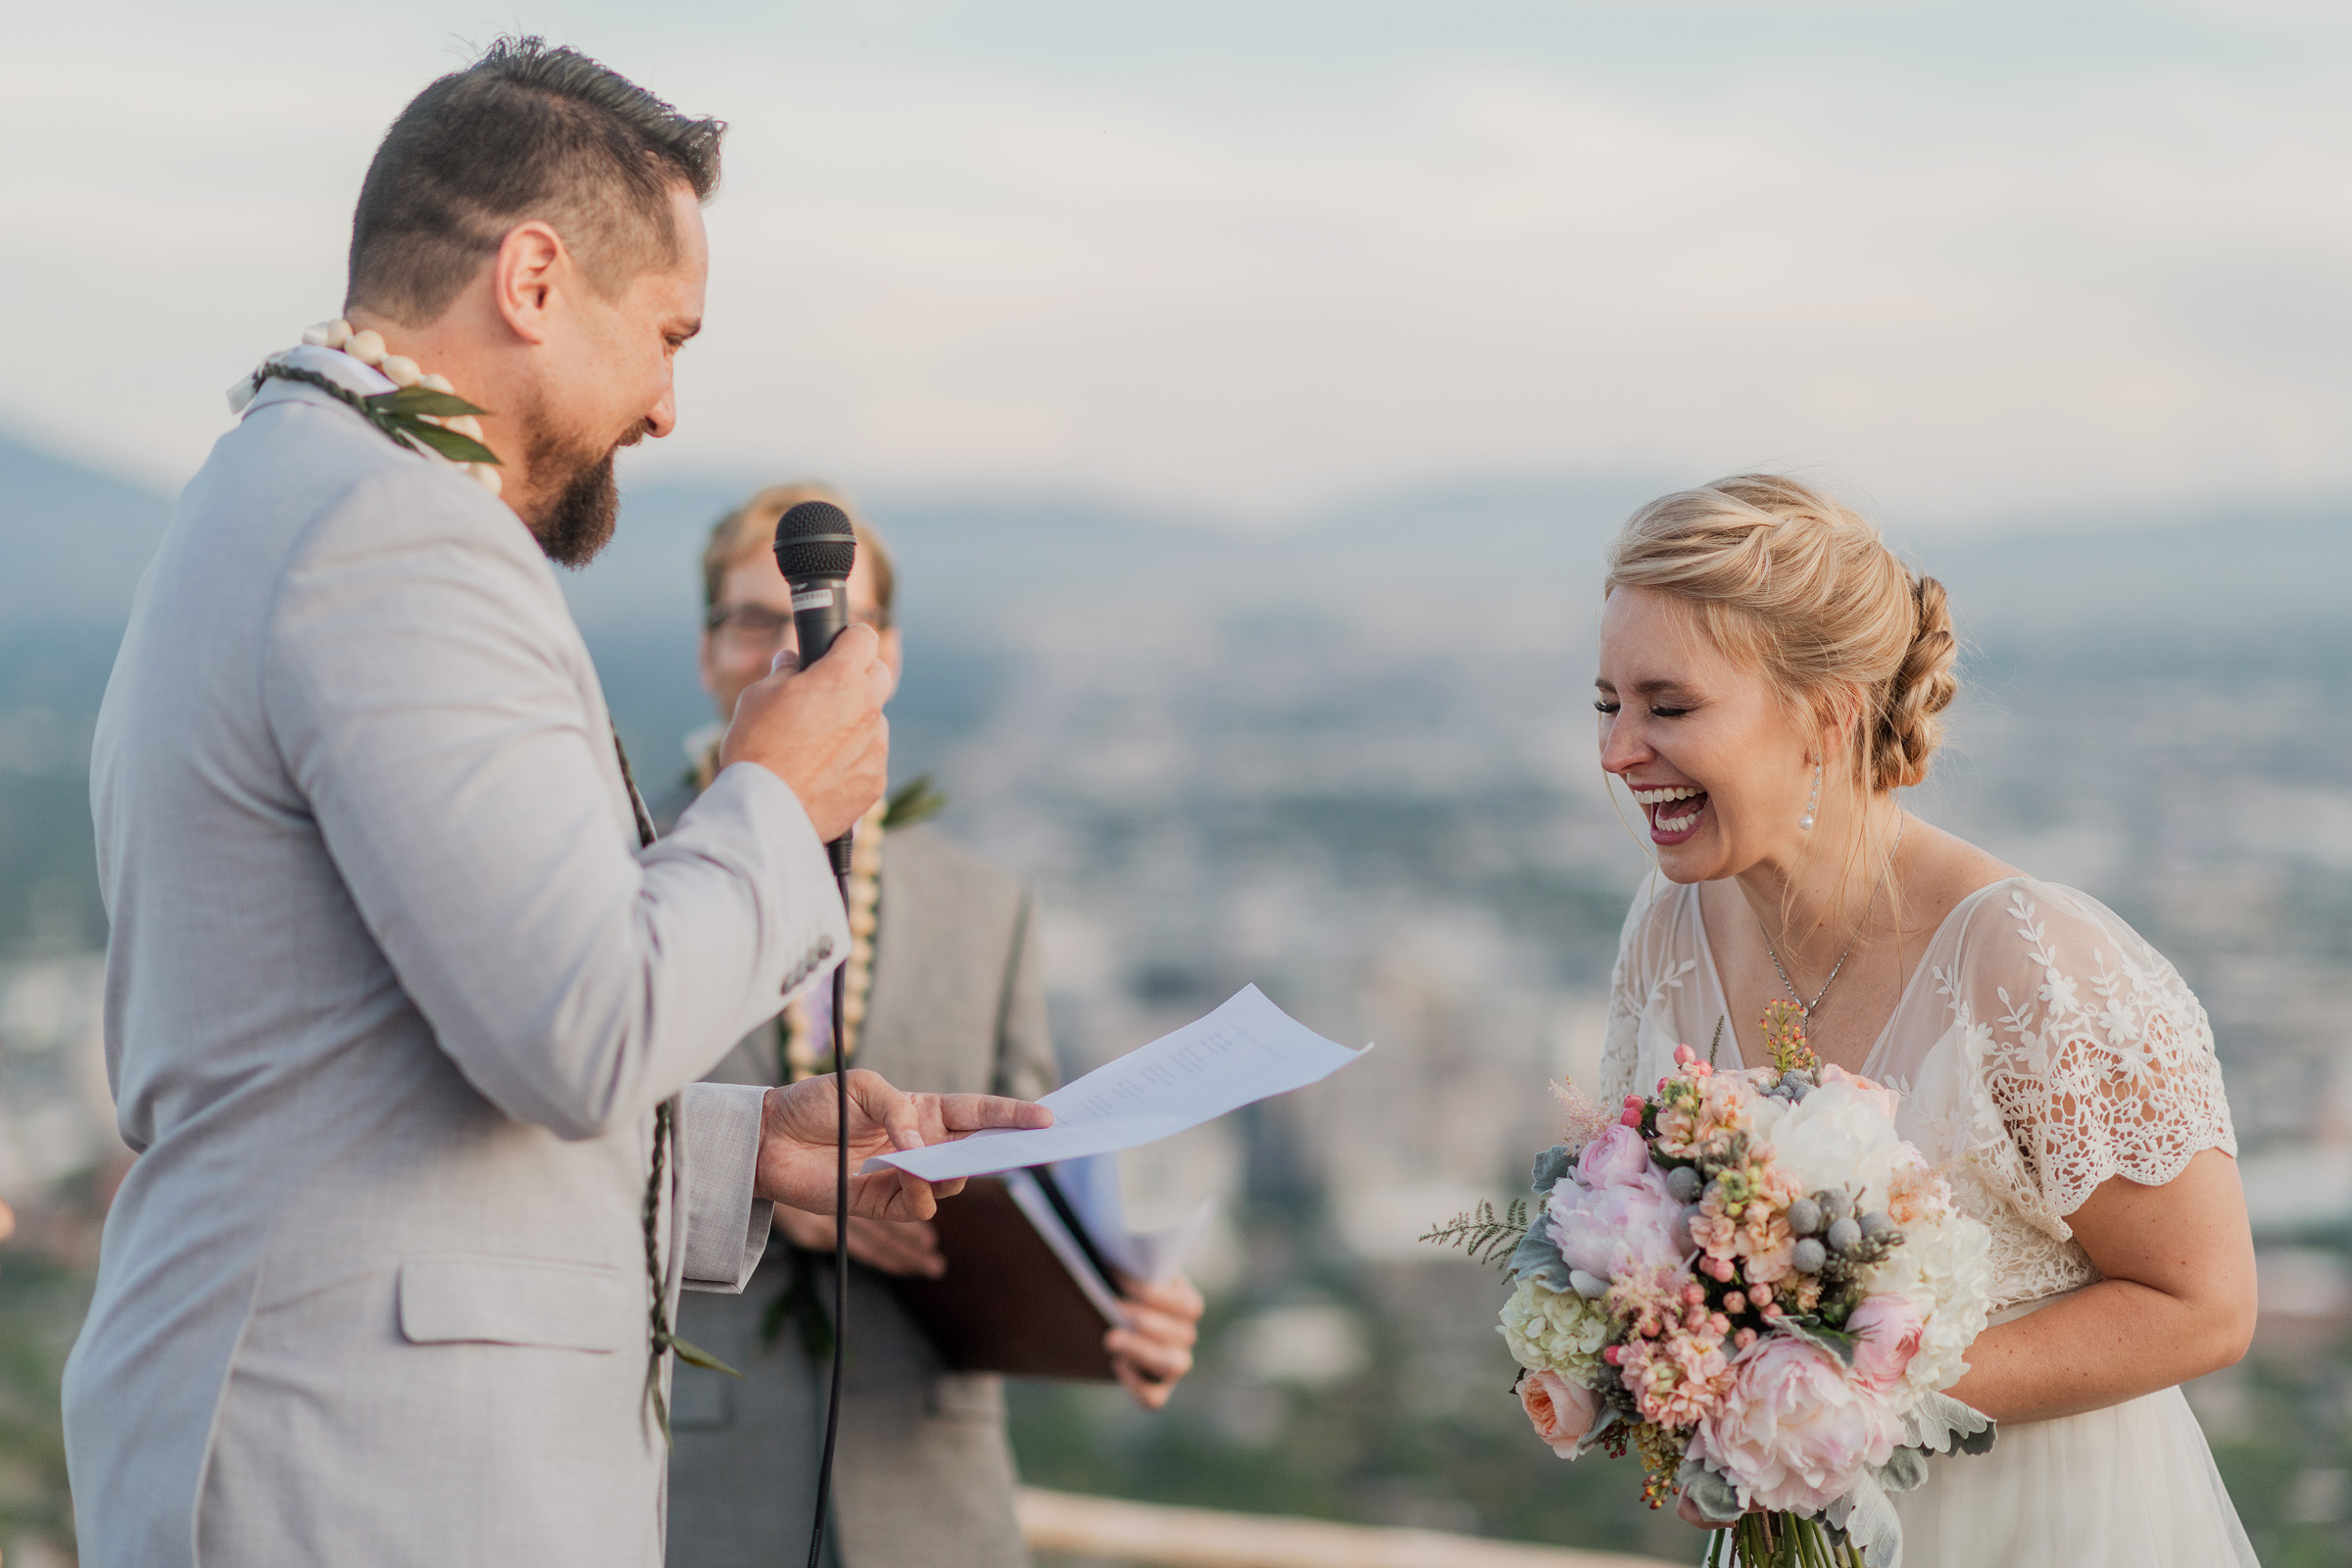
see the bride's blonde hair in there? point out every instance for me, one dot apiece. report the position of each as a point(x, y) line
point(1796, 585)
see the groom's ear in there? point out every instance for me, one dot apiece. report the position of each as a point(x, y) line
point(527, 276)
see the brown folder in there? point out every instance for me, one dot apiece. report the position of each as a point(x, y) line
point(1012, 1302)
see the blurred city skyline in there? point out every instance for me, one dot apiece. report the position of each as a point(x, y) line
point(1970, 263)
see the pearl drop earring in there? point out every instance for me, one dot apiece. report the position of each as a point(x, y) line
point(1804, 823)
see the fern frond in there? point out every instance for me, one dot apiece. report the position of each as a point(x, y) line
point(1482, 1234)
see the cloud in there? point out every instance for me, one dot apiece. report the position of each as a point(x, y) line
point(1974, 287)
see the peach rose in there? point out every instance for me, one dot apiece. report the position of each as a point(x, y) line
point(1562, 1411)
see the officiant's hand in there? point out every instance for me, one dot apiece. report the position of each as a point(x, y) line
point(908, 1249)
point(797, 1142)
point(1153, 1352)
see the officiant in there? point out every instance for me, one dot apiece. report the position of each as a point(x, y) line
point(944, 992)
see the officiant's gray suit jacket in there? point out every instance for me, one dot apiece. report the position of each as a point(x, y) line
point(392, 995)
point(925, 1473)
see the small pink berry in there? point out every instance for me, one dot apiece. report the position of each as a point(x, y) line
point(1608, 1352)
point(1693, 1294)
point(1685, 1056)
point(1736, 1302)
point(1744, 1338)
point(1630, 1118)
point(1761, 1294)
point(1772, 1313)
point(1720, 1269)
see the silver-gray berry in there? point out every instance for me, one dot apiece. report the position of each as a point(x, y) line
point(1805, 1217)
point(1875, 1225)
point(1684, 1183)
point(1811, 1255)
point(1835, 1203)
point(1844, 1236)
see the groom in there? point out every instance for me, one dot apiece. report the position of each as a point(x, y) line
point(402, 1017)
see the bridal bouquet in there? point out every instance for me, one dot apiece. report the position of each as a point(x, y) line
point(1749, 1280)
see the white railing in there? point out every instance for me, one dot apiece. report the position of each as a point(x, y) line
point(1148, 1535)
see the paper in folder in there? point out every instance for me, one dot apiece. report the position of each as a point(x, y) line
point(1033, 1259)
point(1033, 1254)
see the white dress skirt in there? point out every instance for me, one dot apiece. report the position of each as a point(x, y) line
point(2040, 1047)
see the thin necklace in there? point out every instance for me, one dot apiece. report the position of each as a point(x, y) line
point(1901, 820)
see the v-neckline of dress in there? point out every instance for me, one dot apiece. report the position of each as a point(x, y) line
point(1878, 1047)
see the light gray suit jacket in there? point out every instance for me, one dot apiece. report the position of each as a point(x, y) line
point(925, 1473)
point(391, 998)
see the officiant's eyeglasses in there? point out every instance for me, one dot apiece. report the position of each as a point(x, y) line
point(757, 626)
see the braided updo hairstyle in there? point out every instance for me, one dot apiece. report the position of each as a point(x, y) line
point(1790, 583)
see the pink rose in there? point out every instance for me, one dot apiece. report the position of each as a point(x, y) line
point(1618, 1158)
point(1796, 1430)
point(1890, 1330)
point(1562, 1411)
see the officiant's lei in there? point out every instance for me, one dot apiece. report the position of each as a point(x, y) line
point(422, 412)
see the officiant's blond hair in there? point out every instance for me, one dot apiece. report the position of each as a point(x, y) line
point(749, 531)
point(1795, 585)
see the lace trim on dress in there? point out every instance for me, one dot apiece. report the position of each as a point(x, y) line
point(2099, 1068)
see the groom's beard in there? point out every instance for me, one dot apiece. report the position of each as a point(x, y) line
point(578, 520)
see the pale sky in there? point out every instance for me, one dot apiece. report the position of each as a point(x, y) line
point(1259, 256)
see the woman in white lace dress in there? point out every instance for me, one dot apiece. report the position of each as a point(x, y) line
point(1770, 675)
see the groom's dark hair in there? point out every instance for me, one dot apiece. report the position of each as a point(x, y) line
point(525, 131)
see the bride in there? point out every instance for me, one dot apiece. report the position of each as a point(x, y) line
point(1770, 677)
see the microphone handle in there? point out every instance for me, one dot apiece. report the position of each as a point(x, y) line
point(820, 609)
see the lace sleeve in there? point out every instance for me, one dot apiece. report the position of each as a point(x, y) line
point(2088, 1055)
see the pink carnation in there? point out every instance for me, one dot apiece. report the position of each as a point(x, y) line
point(1889, 1327)
point(1796, 1430)
point(1562, 1411)
point(1678, 1379)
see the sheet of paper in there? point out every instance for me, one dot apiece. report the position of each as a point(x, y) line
point(1092, 1185)
point(1244, 1051)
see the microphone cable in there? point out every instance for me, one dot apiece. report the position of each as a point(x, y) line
point(841, 1250)
point(817, 546)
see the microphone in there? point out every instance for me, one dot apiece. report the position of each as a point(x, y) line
point(815, 548)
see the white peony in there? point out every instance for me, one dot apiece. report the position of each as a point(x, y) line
point(1840, 1135)
point(1556, 1331)
point(1944, 1268)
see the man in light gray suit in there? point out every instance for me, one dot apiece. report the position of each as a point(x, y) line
point(946, 991)
point(402, 1013)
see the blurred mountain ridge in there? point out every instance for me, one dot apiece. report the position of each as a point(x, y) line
point(75, 539)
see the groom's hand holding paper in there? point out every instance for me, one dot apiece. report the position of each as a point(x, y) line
point(1042, 1276)
point(798, 1133)
point(1244, 1051)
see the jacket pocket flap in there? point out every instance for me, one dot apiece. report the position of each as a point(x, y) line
point(470, 1298)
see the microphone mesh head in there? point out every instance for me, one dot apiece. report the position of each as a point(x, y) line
point(814, 539)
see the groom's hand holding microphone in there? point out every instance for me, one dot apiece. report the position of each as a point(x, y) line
point(821, 730)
